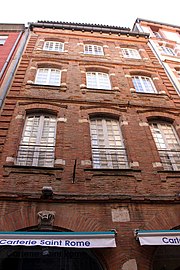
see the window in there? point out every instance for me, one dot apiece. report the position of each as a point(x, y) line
point(167, 144)
point(157, 34)
point(38, 141)
point(93, 49)
point(131, 53)
point(177, 70)
point(98, 80)
point(48, 76)
point(143, 84)
point(168, 51)
point(53, 46)
point(3, 40)
point(107, 144)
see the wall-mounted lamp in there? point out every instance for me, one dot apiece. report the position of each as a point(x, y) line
point(47, 192)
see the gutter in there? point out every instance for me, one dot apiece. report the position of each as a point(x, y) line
point(88, 28)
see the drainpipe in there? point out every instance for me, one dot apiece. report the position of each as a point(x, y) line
point(9, 76)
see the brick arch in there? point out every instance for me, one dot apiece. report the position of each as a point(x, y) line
point(112, 111)
point(43, 106)
point(141, 72)
point(165, 220)
point(27, 217)
point(148, 115)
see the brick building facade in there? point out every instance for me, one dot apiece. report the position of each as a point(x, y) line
point(90, 143)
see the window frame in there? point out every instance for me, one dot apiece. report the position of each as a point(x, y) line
point(141, 81)
point(168, 51)
point(39, 79)
point(35, 142)
point(93, 49)
point(168, 154)
point(3, 39)
point(157, 34)
point(107, 144)
point(47, 47)
point(131, 53)
point(94, 80)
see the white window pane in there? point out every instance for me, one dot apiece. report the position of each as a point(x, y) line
point(93, 49)
point(143, 84)
point(3, 40)
point(47, 76)
point(98, 80)
point(107, 149)
point(167, 144)
point(38, 141)
point(53, 46)
point(131, 53)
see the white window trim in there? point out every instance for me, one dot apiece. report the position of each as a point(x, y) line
point(168, 51)
point(98, 83)
point(3, 40)
point(169, 154)
point(141, 79)
point(107, 149)
point(157, 34)
point(48, 77)
point(37, 144)
point(131, 53)
point(96, 49)
point(60, 49)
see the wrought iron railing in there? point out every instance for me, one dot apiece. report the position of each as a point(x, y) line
point(110, 158)
point(170, 159)
point(35, 155)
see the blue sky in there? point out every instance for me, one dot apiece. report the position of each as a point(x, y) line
point(115, 12)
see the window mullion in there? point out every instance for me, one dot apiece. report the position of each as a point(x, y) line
point(48, 76)
point(97, 80)
point(38, 141)
point(163, 136)
point(142, 83)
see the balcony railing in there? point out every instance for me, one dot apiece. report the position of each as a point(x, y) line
point(170, 159)
point(35, 155)
point(109, 158)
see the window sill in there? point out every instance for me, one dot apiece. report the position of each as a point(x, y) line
point(98, 90)
point(156, 94)
point(56, 171)
point(45, 52)
point(136, 59)
point(62, 87)
point(129, 172)
point(168, 174)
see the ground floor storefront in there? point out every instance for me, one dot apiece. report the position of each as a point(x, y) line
point(79, 250)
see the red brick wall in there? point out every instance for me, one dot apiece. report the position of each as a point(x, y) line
point(6, 48)
point(149, 193)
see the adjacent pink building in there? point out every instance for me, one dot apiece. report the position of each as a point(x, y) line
point(12, 40)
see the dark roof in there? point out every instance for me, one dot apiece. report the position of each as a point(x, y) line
point(86, 27)
point(11, 27)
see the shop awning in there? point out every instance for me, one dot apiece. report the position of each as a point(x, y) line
point(169, 237)
point(59, 239)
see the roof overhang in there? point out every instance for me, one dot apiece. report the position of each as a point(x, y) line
point(164, 237)
point(59, 239)
point(88, 28)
